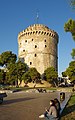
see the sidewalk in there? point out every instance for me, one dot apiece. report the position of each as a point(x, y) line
point(69, 111)
point(64, 103)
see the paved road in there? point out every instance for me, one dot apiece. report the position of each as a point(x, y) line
point(25, 106)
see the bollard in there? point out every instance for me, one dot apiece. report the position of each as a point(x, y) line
point(62, 96)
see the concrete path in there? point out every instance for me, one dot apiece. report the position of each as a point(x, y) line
point(27, 106)
point(63, 103)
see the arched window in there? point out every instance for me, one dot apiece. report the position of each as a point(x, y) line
point(44, 33)
point(45, 46)
point(39, 32)
point(35, 55)
point(47, 33)
point(25, 40)
point(36, 31)
point(23, 50)
point(50, 34)
point(35, 46)
point(30, 63)
point(45, 40)
point(33, 32)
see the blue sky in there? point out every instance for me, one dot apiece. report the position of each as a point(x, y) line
point(16, 15)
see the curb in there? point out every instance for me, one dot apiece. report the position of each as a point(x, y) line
point(64, 103)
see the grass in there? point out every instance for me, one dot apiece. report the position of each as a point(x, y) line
point(69, 112)
point(72, 100)
point(24, 88)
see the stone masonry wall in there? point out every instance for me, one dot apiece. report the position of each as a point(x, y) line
point(37, 46)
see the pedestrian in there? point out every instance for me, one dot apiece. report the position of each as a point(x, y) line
point(57, 104)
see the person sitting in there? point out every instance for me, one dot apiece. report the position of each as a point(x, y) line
point(51, 113)
point(57, 104)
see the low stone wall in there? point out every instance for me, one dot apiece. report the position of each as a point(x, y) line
point(65, 89)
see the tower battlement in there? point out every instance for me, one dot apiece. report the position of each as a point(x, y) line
point(38, 29)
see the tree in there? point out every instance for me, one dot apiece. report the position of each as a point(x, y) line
point(26, 77)
point(51, 75)
point(72, 3)
point(11, 74)
point(2, 76)
point(7, 58)
point(73, 54)
point(70, 71)
point(64, 74)
point(34, 74)
point(21, 69)
point(15, 72)
point(70, 27)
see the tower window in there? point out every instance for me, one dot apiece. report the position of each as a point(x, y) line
point(25, 40)
point(35, 55)
point(39, 32)
point(23, 50)
point(32, 39)
point(44, 33)
point(54, 35)
point(45, 46)
point(47, 33)
point(30, 63)
point(30, 32)
point(35, 46)
point(50, 34)
point(36, 31)
point(45, 40)
point(33, 32)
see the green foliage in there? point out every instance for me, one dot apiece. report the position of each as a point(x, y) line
point(72, 3)
point(11, 74)
point(21, 69)
point(0, 60)
point(70, 71)
point(72, 100)
point(34, 74)
point(70, 27)
point(64, 74)
point(51, 75)
point(7, 58)
point(15, 72)
point(26, 77)
point(2, 76)
point(31, 75)
point(73, 54)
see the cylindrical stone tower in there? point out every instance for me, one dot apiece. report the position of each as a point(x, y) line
point(38, 47)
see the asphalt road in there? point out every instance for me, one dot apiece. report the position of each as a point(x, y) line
point(25, 106)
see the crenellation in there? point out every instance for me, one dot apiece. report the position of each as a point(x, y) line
point(38, 32)
point(35, 27)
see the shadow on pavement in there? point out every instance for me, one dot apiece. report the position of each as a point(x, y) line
point(16, 100)
point(68, 110)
